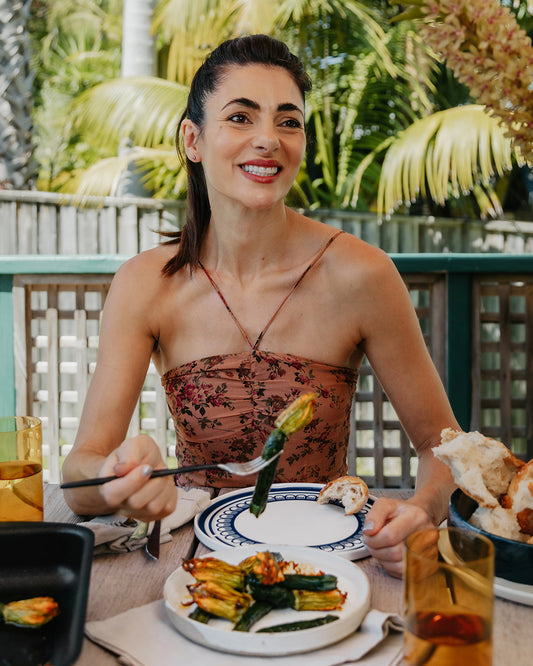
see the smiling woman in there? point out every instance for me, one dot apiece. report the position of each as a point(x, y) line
point(247, 143)
point(249, 307)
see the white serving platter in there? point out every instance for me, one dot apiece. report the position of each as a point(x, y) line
point(218, 634)
point(292, 517)
point(518, 592)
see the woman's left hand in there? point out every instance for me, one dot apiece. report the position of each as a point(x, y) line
point(386, 527)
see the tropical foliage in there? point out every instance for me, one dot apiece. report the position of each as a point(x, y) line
point(482, 43)
point(17, 169)
point(76, 46)
point(389, 125)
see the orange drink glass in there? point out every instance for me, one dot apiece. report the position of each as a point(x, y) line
point(21, 479)
point(448, 598)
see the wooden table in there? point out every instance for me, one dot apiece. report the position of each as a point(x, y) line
point(121, 582)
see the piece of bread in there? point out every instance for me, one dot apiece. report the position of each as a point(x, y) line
point(519, 497)
point(499, 521)
point(482, 467)
point(350, 490)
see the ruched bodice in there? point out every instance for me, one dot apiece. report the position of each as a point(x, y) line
point(224, 408)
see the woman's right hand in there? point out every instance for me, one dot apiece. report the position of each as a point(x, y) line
point(135, 494)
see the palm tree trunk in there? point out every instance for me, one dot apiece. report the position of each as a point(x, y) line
point(138, 41)
point(17, 169)
point(138, 59)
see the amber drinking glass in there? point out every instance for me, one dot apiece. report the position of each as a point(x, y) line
point(21, 480)
point(448, 597)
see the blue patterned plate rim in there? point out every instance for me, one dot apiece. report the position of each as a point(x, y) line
point(215, 526)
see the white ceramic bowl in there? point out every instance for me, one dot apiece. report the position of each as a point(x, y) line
point(218, 633)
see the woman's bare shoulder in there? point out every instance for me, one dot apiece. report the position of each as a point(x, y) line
point(139, 284)
point(147, 265)
point(352, 257)
point(347, 243)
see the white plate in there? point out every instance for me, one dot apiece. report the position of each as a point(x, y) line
point(292, 517)
point(518, 592)
point(218, 634)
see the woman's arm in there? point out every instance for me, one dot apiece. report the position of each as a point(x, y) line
point(396, 350)
point(101, 448)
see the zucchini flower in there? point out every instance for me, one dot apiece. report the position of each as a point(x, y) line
point(308, 600)
point(297, 415)
point(30, 612)
point(220, 600)
point(265, 566)
point(216, 571)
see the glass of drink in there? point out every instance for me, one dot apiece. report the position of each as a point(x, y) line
point(21, 480)
point(448, 598)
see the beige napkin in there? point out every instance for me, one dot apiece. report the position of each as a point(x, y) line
point(144, 636)
point(113, 533)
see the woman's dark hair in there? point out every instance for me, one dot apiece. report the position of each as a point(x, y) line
point(250, 50)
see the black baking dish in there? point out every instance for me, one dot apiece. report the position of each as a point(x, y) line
point(45, 559)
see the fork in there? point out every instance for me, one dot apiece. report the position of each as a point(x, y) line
point(239, 469)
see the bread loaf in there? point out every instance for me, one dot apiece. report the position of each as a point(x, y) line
point(350, 490)
point(519, 497)
point(499, 521)
point(501, 484)
point(482, 467)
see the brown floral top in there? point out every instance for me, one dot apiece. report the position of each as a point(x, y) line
point(224, 408)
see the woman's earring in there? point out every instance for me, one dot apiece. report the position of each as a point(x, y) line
point(193, 157)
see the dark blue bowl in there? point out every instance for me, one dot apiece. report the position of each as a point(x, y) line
point(513, 559)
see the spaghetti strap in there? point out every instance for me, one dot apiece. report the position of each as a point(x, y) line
point(253, 347)
point(295, 285)
point(215, 286)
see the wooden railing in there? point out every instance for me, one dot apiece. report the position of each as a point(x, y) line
point(48, 223)
point(476, 312)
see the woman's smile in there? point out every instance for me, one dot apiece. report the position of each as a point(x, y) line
point(262, 170)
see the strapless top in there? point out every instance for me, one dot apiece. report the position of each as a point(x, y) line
point(224, 408)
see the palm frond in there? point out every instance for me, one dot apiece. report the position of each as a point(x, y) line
point(174, 16)
point(191, 29)
point(449, 153)
point(255, 16)
point(103, 177)
point(145, 110)
point(351, 25)
point(99, 180)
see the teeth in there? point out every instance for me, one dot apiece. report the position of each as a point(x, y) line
point(259, 171)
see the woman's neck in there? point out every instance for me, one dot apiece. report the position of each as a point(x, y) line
point(248, 244)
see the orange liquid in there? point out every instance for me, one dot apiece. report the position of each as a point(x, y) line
point(21, 491)
point(440, 639)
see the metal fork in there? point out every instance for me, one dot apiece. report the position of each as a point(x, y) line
point(239, 469)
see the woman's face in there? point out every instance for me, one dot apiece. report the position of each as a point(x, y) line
point(253, 139)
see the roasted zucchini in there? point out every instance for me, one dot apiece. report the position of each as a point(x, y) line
point(252, 615)
point(200, 615)
point(283, 597)
point(298, 626)
point(275, 595)
point(246, 592)
point(318, 583)
point(295, 417)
